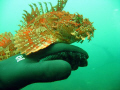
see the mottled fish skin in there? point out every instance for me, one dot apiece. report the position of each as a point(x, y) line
point(36, 31)
point(41, 28)
point(7, 46)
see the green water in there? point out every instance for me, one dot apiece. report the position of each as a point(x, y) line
point(103, 70)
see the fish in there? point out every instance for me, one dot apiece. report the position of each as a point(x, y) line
point(41, 28)
point(7, 46)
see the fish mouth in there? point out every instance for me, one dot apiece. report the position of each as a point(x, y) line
point(75, 59)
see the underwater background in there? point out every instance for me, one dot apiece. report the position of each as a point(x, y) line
point(103, 70)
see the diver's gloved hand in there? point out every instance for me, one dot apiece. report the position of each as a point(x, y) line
point(50, 64)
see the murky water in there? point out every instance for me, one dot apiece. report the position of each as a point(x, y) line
point(103, 70)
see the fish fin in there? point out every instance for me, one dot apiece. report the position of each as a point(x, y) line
point(28, 41)
point(30, 17)
point(7, 48)
point(60, 5)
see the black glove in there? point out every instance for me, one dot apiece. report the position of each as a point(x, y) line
point(47, 65)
